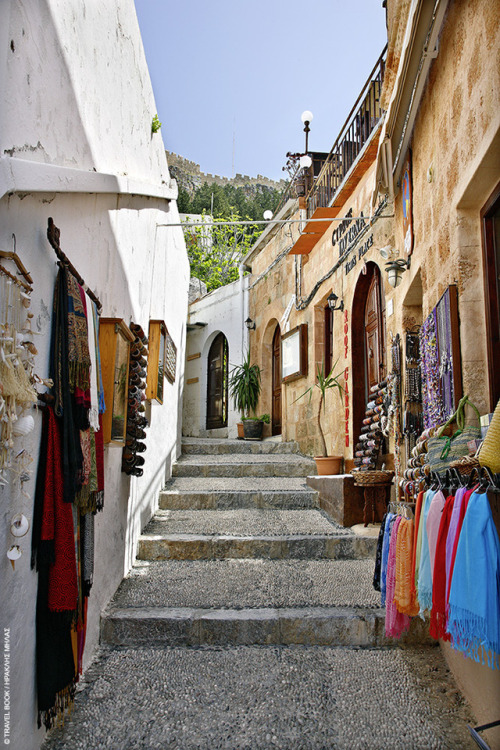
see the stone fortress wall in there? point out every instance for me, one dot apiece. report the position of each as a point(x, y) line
point(196, 178)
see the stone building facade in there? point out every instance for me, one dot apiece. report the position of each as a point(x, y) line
point(419, 184)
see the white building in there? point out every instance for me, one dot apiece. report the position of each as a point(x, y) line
point(76, 145)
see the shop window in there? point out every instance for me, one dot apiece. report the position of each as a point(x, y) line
point(294, 353)
point(115, 338)
point(156, 360)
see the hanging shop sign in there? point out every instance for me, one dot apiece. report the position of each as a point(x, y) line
point(407, 200)
point(347, 231)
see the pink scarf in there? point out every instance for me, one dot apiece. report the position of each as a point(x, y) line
point(395, 622)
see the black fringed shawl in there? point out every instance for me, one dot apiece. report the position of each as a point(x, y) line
point(72, 458)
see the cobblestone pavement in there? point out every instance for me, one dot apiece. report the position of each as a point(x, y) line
point(259, 698)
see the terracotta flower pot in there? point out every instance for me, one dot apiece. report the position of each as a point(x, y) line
point(241, 434)
point(328, 464)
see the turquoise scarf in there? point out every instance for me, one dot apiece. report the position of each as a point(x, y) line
point(474, 603)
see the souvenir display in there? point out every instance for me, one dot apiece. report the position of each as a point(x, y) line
point(443, 561)
point(69, 489)
point(132, 461)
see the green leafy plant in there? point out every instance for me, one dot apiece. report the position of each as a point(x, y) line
point(244, 386)
point(263, 418)
point(324, 383)
point(156, 124)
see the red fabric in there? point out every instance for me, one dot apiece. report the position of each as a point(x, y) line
point(57, 526)
point(463, 508)
point(418, 510)
point(438, 613)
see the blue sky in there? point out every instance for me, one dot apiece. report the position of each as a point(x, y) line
point(230, 72)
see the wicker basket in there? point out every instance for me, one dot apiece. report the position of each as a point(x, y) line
point(378, 476)
point(465, 465)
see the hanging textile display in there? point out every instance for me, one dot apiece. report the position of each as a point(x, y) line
point(69, 491)
point(445, 564)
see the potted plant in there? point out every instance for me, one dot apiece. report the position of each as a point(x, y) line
point(325, 464)
point(244, 388)
point(253, 426)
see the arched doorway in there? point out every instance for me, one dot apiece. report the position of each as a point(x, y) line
point(217, 383)
point(276, 395)
point(368, 349)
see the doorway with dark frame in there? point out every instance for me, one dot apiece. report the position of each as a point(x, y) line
point(217, 383)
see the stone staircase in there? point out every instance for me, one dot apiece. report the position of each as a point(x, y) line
point(239, 554)
point(240, 627)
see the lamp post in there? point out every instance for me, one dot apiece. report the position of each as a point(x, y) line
point(306, 118)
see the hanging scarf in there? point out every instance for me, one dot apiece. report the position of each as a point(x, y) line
point(94, 398)
point(87, 551)
point(64, 406)
point(78, 342)
point(421, 530)
point(378, 555)
point(56, 527)
point(474, 604)
point(424, 588)
point(395, 622)
point(433, 522)
point(461, 516)
point(404, 592)
point(100, 387)
point(450, 539)
point(438, 613)
point(99, 457)
point(385, 556)
point(54, 557)
point(418, 509)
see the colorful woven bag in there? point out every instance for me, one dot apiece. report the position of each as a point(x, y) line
point(444, 448)
point(489, 454)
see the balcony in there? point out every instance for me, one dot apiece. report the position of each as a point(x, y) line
point(350, 156)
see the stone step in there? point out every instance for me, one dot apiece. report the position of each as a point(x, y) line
point(294, 698)
point(249, 583)
point(269, 534)
point(179, 497)
point(306, 626)
point(214, 446)
point(252, 465)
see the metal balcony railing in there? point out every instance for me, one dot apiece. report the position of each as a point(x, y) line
point(361, 122)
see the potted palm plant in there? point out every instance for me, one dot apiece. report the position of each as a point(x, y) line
point(325, 464)
point(244, 388)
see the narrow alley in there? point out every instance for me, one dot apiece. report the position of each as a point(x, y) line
point(249, 620)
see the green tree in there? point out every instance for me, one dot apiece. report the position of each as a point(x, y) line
point(215, 250)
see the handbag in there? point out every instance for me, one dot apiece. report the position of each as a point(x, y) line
point(489, 453)
point(444, 449)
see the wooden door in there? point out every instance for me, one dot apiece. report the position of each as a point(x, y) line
point(217, 383)
point(374, 351)
point(276, 369)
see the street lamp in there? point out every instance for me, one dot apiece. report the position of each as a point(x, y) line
point(395, 270)
point(332, 302)
point(250, 324)
point(306, 118)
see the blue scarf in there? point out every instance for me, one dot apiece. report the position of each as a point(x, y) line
point(424, 571)
point(385, 555)
point(474, 603)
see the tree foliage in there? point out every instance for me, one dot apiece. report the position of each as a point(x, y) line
point(215, 249)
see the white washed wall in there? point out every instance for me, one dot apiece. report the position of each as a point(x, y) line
point(75, 92)
point(226, 310)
